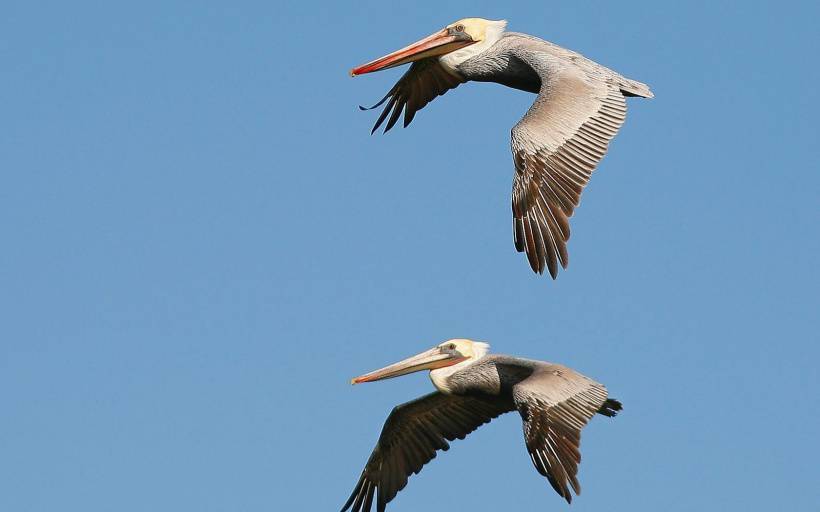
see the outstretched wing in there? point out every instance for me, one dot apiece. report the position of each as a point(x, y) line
point(409, 440)
point(555, 403)
point(422, 83)
point(556, 146)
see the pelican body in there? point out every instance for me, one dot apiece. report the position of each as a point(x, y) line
point(579, 108)
point(554, 402)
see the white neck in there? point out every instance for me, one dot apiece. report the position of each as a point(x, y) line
point(492, 33)
point(440, 376)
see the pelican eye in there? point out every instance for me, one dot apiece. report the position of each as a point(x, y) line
point(459, 28)
point(452, 346)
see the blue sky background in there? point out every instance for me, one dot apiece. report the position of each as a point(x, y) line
point(201, 244)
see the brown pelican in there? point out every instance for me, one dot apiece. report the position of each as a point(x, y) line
point(556, 146)
point(554, 401)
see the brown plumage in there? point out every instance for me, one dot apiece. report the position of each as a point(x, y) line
point(412, 434)
point(422, 83)
point(556, 146)
point(554, 402)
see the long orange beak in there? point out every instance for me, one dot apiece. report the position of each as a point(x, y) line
point(428, 360)
point(443, 41)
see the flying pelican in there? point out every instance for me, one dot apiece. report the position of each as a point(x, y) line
point(554, 401)
point(556, 146)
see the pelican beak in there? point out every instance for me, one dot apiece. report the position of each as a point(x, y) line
point(429, 360)
point(443, 41)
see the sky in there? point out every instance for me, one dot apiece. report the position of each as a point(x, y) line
point(202, 243)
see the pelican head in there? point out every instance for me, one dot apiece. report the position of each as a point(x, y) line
point(448, 354)
point(453, 44)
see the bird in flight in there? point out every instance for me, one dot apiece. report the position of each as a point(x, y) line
point(555, 403)
point(556, 145)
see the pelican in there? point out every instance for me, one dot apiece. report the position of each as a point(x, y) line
point(554, 401)
point(556, 145)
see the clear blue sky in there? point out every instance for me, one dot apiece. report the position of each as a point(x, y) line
point(201, 244)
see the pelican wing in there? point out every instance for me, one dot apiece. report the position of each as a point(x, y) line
point(556, 146)
point(412, 434)
point(555, 404)
point(422, 83)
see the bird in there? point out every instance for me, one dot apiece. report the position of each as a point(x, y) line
point(472, 388)
point(556, 145)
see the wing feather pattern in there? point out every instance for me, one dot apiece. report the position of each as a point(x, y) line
point(555, 403)
point(556, 147)
point(422, 83)
point(412, 434)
